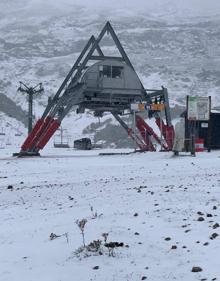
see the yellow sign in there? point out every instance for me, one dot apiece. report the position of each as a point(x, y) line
point(138, 106)
point(157, 107)
point(141, 106)
point(145, 106)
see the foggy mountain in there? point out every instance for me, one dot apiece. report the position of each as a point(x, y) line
point(170, 43)
point(185, 8)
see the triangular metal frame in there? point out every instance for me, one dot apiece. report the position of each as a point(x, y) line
point(87, 55)
point(71, 90)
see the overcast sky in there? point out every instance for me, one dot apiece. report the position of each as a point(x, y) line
point(190, 7)
point(200, 5)
point(180, 7)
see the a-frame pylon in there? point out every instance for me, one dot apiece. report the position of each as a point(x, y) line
point(71, 92)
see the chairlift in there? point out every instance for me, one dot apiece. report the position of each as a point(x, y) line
point(61, 140)
point(2, 145)
point(8, 142)
point(2, 132)
point(18, 133)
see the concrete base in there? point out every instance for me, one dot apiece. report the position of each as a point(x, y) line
point(26, 154)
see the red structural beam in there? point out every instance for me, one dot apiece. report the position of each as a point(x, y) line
point(49, 133)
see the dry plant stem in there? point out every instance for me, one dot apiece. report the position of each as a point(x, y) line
point(81, 224)
point(83, 236)
point(67, 237)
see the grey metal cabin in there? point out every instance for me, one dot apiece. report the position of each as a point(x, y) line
point(110, 85)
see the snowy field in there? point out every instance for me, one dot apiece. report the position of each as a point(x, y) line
point(165, 210)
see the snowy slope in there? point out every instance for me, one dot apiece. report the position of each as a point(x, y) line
point(12, 132)
point(150, 202)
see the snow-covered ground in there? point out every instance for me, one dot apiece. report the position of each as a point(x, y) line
point(149, 201)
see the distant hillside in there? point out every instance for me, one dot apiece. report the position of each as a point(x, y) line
point(184, 56)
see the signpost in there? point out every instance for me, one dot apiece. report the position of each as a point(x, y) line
point(198, 109)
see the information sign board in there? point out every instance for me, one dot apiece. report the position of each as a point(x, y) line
point(198, 108)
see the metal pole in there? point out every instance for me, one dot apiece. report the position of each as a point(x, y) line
point(135, 147)
point(30, 91)
point(30, 110)
point(193, 152)
point(161, 135)
point(61, 135)
point(209, 127)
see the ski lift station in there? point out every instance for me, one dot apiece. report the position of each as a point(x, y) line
point(101, 83)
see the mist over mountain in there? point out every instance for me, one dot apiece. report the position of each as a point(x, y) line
point(170, 43)
point(185, 8)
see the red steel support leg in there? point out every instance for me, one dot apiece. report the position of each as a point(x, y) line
point(49, 133)
point(146, 138)
point(168, 133)
point(26, 145)
point(41, 131)
point(142, 127)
